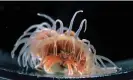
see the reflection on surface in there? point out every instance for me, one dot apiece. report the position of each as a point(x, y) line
point(10, 66)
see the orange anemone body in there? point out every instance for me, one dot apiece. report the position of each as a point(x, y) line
point(60, 48)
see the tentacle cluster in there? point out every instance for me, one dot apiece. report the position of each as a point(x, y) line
point(41, 44)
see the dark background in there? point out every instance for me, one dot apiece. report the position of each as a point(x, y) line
point(109, 23)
